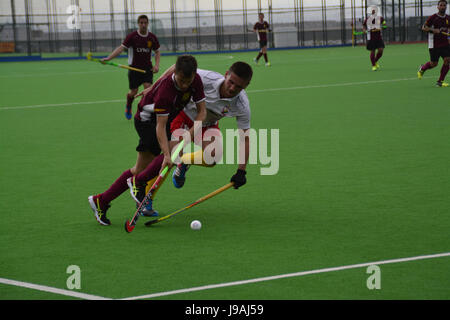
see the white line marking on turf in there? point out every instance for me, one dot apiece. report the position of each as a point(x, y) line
point(52, 290)
point(332, 85)
point(60, 104)
point(51, 74)
point(288, 275)
point(248, 91)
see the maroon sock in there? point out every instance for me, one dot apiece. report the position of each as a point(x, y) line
point(372, 57)
point(426, 66)
point(259, 56)
point(151, 171)
point(265, 57)
point(444, 71)
point(130, 99)
point(116, 189)
point(379, 55)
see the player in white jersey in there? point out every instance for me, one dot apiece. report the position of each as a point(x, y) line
point(372, 25)
point(225, 97)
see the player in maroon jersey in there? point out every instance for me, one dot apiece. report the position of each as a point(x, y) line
point(140, 45)
point(261, 28)
point(437, 27)
point(372, 25)
point(156, 110)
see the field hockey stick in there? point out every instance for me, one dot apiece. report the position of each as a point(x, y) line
point(90, 58)
point(130, 224)
point(445, 33)
point(262, 30)
point(364, 32)
point(202, 199)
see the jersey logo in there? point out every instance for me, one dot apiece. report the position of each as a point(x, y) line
point(225, 110)
point(186, 97)
point(149, 44)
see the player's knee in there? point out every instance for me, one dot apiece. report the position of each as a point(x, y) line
point(433, 64)
point(133, 92)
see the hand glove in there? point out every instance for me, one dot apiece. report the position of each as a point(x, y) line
point(239, 178)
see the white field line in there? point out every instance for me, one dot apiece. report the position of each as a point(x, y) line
point(248, 91)
point(334, 85)
point(52, 290)
point(220, 285)
point(51, 74)
point(60, 104)
point(288, 275)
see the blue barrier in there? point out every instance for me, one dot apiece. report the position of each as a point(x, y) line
point(40, 58)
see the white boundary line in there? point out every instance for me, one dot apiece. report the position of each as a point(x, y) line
point(288, 275)
point(333, 85)
point(213, 286)
point(36, 75)
point(52, 290)
point(248, 91)
point(60, 104)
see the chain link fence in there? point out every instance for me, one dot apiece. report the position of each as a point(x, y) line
point(78, 26)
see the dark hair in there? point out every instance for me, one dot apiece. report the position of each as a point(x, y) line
point(142, 16)
point(442, 1)
point(261, 14)
point(186, 64)
point(242, 70)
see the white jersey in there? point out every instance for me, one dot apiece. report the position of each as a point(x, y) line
point(217, 107)
point(373, 22)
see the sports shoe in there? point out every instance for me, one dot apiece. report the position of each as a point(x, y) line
point(268, 64)
point(100, 214)
point(377, 65)
point(148, 210)
point(128, 113)
point(420, 73)
point(137, 192)
point(255, 60)
point(441, 84)
point(179, 175)
point(374, 68)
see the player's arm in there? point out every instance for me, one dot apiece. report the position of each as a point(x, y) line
point(246, 150)
point(161, 123)
point(239, 177)
point(114, 54)
point(430, 29)
point(364, 26)
point(201, 116)
point(157, 59)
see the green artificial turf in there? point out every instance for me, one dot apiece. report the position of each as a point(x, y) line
point(363, 176)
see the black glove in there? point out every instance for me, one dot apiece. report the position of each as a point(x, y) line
point(239, 178)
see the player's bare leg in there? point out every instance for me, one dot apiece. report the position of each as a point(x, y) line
point(378, 57)
point(425, 67)
point(444, 71)
point(130, 99)
point(256, 60)
point(208, 156)
point(100, 203)
point(372, 60)
point(264, 52)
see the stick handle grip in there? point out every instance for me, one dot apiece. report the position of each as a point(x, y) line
point(130, 68)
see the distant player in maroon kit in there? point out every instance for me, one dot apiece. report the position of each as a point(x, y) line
point(156, 110)
point(437, 27)
point(375, 44)
point(140, 44)
point(262, 28)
